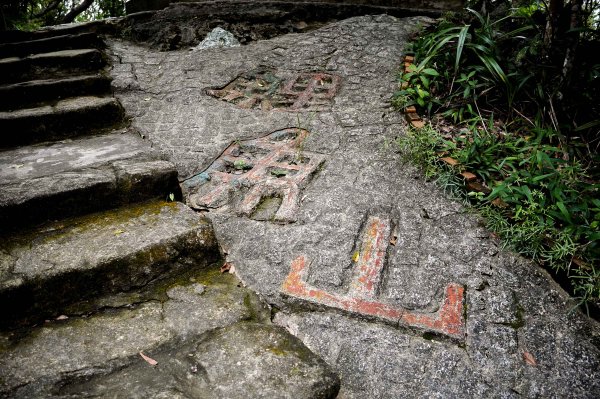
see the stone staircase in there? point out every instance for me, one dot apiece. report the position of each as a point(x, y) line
point(95, 265)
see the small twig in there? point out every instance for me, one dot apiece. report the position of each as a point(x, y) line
point(481, 117)
point(524, 117)
point(553, 118)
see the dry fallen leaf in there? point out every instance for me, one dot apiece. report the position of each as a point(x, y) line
point(119, 232)
point(394, 240)
point(529, 359)
point(148, 359)
point(226, 267)
point(356, 256)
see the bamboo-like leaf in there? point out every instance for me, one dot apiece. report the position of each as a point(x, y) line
point(430, 72)
point(478, 15)
point(459, 47)
point(588, 125)
point(565, 212)
point(494, 68)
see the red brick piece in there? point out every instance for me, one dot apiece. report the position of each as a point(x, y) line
point(417, 124)
point(468, 176)
point(478, 187)
point(450, 161)
point(361, 298)
point(412, 116)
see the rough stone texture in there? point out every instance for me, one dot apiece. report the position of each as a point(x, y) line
point(511, 309)
point(134, 6)
point(120, 250)
point(45, 45)
point(32, 93)
point(218, 37)
point(67, 118)
point(250, 173)
point(244, 360)
point(185, 24)
point(44, 181)
point(267, 90)
point(81, 347)
point(58, 63)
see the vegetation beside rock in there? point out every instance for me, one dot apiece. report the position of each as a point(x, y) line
point(513, 97)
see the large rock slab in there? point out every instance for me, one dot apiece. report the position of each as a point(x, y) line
point(397, 287)
point(169, 318)
point(245, 360)
point(46, 269)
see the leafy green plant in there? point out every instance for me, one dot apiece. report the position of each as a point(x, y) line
point(550, 211)
point(417, 82)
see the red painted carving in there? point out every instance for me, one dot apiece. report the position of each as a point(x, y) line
point(251, 171)
point(361, 297)
point(264, 90)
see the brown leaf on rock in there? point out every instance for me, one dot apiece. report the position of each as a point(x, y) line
point(226, 267)
point(150, 361)
point(529, 359)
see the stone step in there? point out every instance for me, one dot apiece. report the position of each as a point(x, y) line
point(50, 65)
point(12, 36)
point(45, 45)
point(48, 181)
point(36, 92)
point(67, 118)
point(241, 361)
point(42, 359)
point(65, 265)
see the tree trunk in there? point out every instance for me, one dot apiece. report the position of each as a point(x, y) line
point(75, 11)
point(554, 10)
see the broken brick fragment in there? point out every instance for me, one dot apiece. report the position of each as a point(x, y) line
point(468, 176)
point(450, 161)
point(478, 187)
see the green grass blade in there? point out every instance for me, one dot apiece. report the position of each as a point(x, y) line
point(462, 36)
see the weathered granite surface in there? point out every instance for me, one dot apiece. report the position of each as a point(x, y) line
point(243, 360)
point(399, 289)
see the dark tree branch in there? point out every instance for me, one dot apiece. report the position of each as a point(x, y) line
point(46, 10)
point(75, 11)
